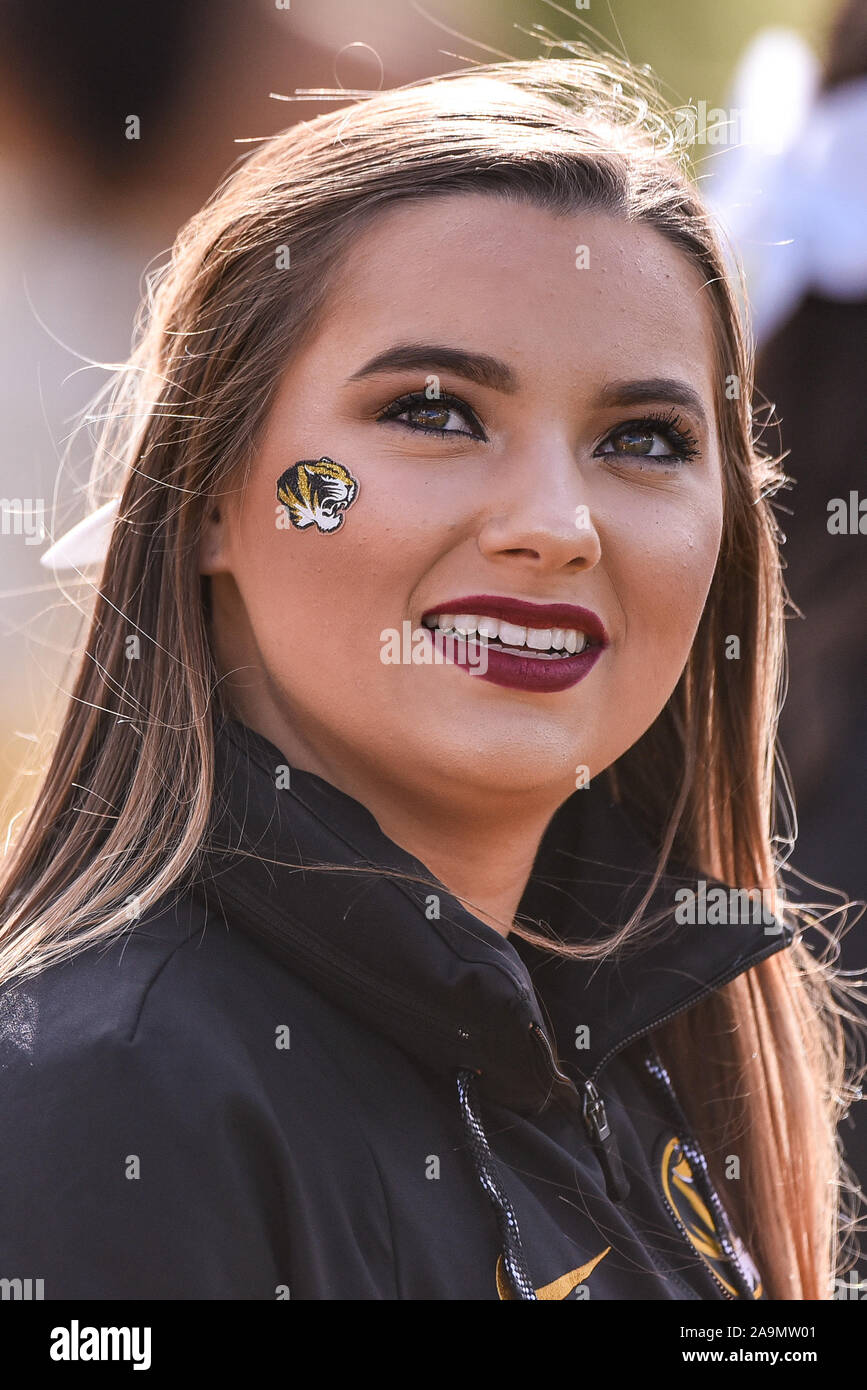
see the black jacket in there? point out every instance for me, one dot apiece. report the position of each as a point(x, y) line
point(340, 1085)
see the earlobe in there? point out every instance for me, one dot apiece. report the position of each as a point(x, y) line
point(212, 545)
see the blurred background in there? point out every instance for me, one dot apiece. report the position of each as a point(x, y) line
point(778, 90)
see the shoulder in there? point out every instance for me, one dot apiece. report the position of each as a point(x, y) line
point(150, 1144)
point(95, 996)
point(179, 1007)
point(179, 1020)
point(177, 963)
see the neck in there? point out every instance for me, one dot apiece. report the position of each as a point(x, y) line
point(484, 863)
point(483, 859)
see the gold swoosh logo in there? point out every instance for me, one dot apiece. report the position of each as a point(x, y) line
point(559, 1288)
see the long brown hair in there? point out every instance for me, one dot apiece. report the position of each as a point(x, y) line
point(126, 795)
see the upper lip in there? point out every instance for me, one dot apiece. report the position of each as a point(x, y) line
point(525, 614)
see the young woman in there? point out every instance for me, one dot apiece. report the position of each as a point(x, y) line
point(399, 918)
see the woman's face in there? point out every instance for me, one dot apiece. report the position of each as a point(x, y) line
point(570, 458)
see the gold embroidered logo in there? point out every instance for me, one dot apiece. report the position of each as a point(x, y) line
point(559, 1288)
point(693, 1215)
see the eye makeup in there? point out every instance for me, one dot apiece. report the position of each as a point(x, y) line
point(419, 403)
point(668, 425)
point(657, 424)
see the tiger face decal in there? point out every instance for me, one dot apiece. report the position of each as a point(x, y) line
point(316, 492)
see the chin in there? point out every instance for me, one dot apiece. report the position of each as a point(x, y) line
point(483, 760)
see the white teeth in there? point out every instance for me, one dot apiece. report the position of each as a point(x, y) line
point(510, 635)
point(464, 623)
point(513, 636)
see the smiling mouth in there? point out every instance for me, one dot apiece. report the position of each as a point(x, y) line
point(541, 644)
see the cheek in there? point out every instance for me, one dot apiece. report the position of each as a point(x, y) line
point(317, 594)
point(663, 585)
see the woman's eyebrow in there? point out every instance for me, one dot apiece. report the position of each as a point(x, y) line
point(475, 366)
point(659, 388)
point(497, 374)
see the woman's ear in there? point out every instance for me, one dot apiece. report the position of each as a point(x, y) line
point(214, 542)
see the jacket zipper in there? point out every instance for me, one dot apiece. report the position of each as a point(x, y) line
point(696, 998)
point(592, 1108)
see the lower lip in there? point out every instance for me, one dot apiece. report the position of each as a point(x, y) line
point(517, 672)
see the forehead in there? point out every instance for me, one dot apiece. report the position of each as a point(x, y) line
point(582, 292)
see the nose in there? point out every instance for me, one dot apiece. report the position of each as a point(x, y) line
point(542, 514)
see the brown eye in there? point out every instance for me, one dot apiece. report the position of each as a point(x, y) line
point(434, 417)
point(661, 438)
point(442, 416)
point(635, 442)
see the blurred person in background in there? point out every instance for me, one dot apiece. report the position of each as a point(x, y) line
point(795, 202)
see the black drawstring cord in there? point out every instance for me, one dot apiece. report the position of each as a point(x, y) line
point(510, 1235)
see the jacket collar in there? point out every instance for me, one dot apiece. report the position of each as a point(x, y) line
point(448, 989)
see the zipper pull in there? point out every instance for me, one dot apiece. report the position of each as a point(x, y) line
point(595, 1120)
point(601, 1135)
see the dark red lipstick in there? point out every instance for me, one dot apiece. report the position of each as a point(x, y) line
point(521, 668)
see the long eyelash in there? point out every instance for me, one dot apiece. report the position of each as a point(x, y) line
point(414, 399)
point(669, 423)
point(682, 438)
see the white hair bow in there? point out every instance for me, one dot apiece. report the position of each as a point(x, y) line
point(86, 543)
